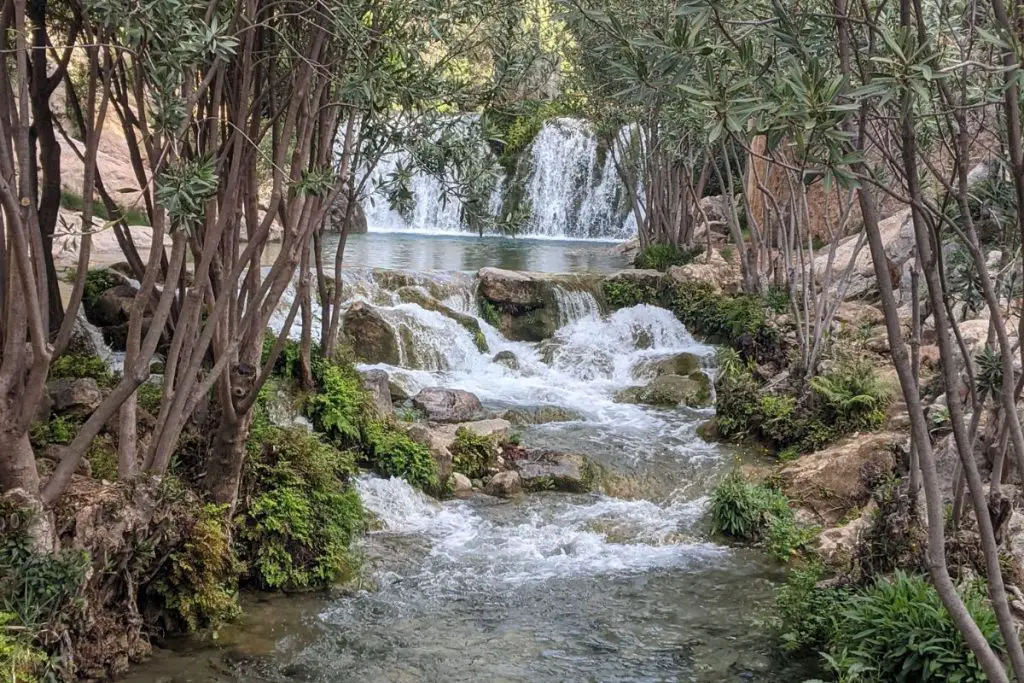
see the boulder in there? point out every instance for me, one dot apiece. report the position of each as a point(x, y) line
point(645, 279)
point(371, 337)
point(855, 314)
point(693, 391)
point(835, 546)
point(526, 305)
point(420, 297)
point(376, 383)
point(540, 415)
point(447, 405)
point(438, 443)
point(897, 233)
point(79, 395)
point(506, 358)
point(680, 364)
point(112, 307)
point(504, 484)
point(711, 269)
point(715, 210)
point(461, 483)
point(336, 216)
point(832, 483)
point(83, 341)
point(556, 471)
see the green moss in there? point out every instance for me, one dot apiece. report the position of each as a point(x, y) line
point(489, 312)
point(299, 514)
point(472, 454)
point(480, 341)
point(73, 366)
point(199, 584)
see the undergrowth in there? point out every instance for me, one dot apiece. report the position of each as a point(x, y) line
point(758, 513)
point(664, 256)
point(472, 454)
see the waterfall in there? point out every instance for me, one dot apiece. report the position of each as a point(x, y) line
point(575, 305)
point(569, 189)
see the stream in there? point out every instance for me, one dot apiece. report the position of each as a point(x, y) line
point(549, 587)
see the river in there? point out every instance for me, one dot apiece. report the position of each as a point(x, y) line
point(551, 587)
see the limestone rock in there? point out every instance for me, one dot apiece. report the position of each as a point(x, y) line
point(693, 390)
point(336, 216)
point(504, 484)
point(556, 471)
point(713, 269)
point(461, 483)
point(527, 304)
point(376, 383)
point(835, 546)
point(540, 415)
point(855, 314)
point(112, 307)
point(79, 396)
point(371, 337)
point(438, 443)
point(831, 483)
point(648, 279)
point(422, 298)
point(506, 358)
point(447, 405)
point(679, 364)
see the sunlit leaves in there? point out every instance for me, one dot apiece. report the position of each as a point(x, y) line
point(183, 190)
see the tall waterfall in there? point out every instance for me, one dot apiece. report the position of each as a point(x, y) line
point(567, 186)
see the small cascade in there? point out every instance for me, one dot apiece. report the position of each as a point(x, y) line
point(429, 340)
point(575, 304)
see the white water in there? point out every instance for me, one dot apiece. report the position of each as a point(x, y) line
point(571, 193)
point(566, 539)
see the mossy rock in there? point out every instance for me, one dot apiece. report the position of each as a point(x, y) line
point(693, 391)
point(553, 471)
point(683, 364)
point(420, 297)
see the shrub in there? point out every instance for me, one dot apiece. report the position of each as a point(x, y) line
point(79, 365)
point(756, 512)
point(897, 629)
point(471, 453)
point(97, 281)
point(338, 408)
point(58, 431)
point(664, 256)
point(19, 659)
point(298, 514)
point(855, 396)
point(198, 584)
point(626, 293)
point(392, 453)
point(102, 457)
point(804, 619)
point(149, 397)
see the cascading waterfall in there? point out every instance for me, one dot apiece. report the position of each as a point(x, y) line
point(575, 304)
point(570, 189)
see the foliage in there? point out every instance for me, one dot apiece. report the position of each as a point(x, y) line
point(40, 592)
point(298, 514)
point(59, 430)
point(102, 457)
point(472, 453)
point(898, 630)
point(855, 395)
point(627, 293)
point(338, 407)
point(803, 620)
point(392, 453)
point(75, 365)
point(198, 584)
point(97, 281)
point(20, 661)
point(664, 256)
point(756, 512)
point(149, 396)
point(989, 378)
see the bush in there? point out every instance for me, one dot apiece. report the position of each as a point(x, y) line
point(97, 281)
point(898, 630)
point(19, 659)
point(338, 408)
point(627, 293)
point(79, 365)
point(471, 453)
point(854, 395)
point(58, 431)
point(804, 619)
point(198, 584)
point(664, 256)
point(298, 514)
point(392, 453)
point(756, 512)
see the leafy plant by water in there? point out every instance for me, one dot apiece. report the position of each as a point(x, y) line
point(664, 256)
point(756, 512)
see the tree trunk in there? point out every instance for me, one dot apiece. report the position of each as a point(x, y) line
point(227, 457)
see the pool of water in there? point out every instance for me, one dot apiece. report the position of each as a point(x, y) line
point(417, 251)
